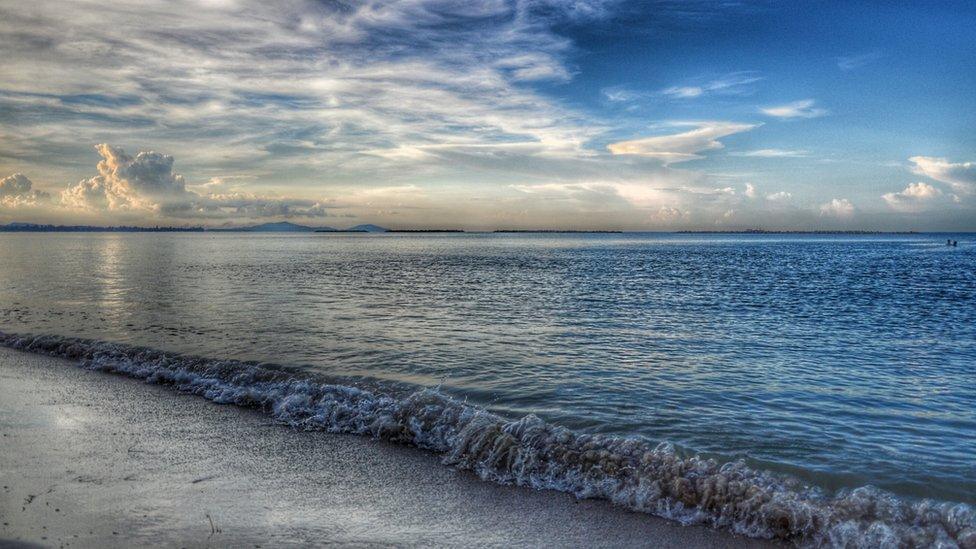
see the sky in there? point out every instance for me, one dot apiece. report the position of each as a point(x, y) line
point(550, 114)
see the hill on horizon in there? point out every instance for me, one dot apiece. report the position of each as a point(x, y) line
point(369, 228)
point(283, 226)
point(287, 226)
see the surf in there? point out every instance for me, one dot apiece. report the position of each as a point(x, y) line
point(529, 452)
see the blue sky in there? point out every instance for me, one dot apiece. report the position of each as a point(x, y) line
point(501, 114)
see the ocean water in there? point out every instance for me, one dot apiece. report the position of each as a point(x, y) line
point(815, 388)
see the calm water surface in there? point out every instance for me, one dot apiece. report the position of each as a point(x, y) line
point(842, 360)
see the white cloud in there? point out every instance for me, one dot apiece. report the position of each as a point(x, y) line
point(669, 215)
point(16, 191)
point(143, 182)
point(960, 176)
point(803, 108)
point(773, 153)
point(619, 94)
point(684, 91)
point(733, 83)
point(146, 185)
point(851, 62)
point(680, 147)
point(840, 208)
point(750, 190)
point(752, 193)
point(529, 67)
point(916, 197)
point(292, 88)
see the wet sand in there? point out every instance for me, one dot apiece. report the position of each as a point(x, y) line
point(92, 460)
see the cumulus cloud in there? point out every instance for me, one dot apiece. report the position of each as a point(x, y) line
point(750, 190)
point(840, 208)
point(752, 193)
point(916, 197)
point(803, 108)
point(146, 184)
point(17, 191)
point(960, 176)
point(250, 205)
point(683, 146)
point(669, 215)
point(143, 182)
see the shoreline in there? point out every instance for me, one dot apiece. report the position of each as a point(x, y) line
point(94, 459)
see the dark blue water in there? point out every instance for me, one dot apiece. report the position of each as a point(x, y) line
point(842, 360)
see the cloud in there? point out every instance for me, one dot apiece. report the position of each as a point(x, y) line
point(619, 94)
point(669, 215)
point(531, 67)
point(146, 184)
point(292, 88)
point(752, 193)
point(840, 208)
point(729, 84)
point(961, 176)
point(684, 92)
point(917, 197)
point(773, 153)
point(750, 190)
point(143, 182)
point(680, 147)
point(251, 206)
point(851, 62)
point(16, 192)
point(803, 108)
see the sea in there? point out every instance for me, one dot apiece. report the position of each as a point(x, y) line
point(814, 388)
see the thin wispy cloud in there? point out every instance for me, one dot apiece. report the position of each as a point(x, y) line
point(263, 82)
point(773, 153)
point(734, 83)
point(851, 62)
point(682, 146)
point(804, 108)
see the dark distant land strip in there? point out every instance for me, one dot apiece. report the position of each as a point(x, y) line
point(285, 227)
point(763, 231)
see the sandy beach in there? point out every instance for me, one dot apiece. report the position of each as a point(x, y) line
point(89, 459)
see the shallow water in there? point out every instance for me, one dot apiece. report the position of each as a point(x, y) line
point(841, 360)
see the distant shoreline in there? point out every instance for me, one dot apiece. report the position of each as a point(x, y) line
point(762, 231)
point(290, 228)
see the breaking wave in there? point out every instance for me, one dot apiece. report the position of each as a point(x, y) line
point(530, 452)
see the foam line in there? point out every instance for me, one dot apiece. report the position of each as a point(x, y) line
point(530, 452)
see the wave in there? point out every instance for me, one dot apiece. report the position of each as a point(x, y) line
point(530, 452)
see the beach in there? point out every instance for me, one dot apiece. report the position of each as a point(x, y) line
point(92, 459)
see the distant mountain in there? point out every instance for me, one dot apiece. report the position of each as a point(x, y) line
point(284, 227)
point(368, 228)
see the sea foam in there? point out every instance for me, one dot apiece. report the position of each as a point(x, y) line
point(530, 452)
